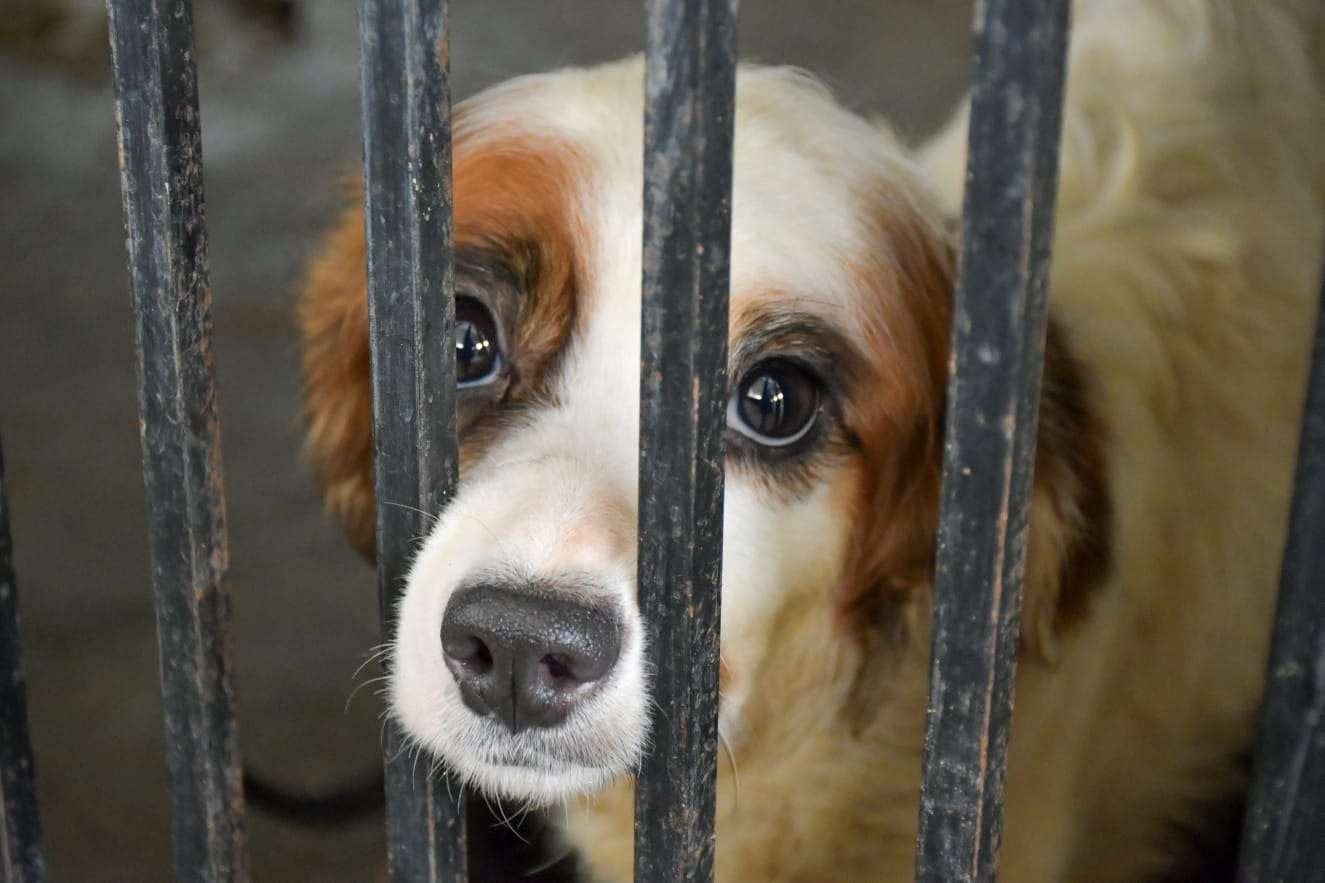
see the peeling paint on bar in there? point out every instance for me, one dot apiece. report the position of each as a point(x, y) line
point(411, 309)
point(689, 110)
point(1284, 830)
point(989, 443)
point(21, 858)
point(160, 149)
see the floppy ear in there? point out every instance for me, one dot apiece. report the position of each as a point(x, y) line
point(333, 316)
point(907, 295)
point(1071, 521)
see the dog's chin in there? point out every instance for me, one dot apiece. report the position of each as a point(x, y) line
point(541, 767)
point(549, 768)
point(532, 781)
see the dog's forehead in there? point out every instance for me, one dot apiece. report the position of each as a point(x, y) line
point(802, 165)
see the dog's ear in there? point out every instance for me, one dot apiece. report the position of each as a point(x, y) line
point(906, 293)
point(1071, 521)
point(333, 316)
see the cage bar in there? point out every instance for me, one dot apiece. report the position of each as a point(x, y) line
point(160, 151)
point(21, 857)
point(405, 91)
point(1282, 837)
point(989, 443)
point(690, 84)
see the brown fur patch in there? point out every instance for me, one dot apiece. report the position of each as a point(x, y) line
point(1071, 536)
point(333, 315)
point(904, 297)
point(512, 198)
point(518, 201)
point(892, 489)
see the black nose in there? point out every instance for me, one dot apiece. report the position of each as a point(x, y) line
point(527, 659)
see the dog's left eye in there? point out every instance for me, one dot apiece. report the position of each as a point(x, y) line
point(775, 404)
point(477, 356)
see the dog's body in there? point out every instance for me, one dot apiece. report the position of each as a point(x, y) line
point(1188, 246)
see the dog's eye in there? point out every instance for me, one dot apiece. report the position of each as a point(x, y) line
point(477, 356)
point(775, 404)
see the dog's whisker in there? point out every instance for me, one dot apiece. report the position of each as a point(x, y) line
point(377, 653)
point(446, 780)
point(430, 515)
point(377, 680)
point(736, 776)
point(487, 802)
point(504, 821)
point(556, 857)
point(414, 765)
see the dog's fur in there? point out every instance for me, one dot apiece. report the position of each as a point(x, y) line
point(1186, 262)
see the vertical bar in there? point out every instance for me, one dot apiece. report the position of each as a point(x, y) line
point(690, 85)
point(20, 850)
point(989, 443)
point(411, 309)
point(1284, 834)
point(160, 151)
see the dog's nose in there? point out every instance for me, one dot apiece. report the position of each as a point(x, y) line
point(527, 659)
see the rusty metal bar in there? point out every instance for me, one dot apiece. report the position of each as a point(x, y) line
point(690, 84)
point(405, 91)
point(989, 443)
point(21, 857)
point(1284, 831)
point(161, 177)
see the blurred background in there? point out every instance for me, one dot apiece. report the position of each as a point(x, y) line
point(280, 111)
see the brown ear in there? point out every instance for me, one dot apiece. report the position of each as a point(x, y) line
point(333, 315)
point(1069, 548)
point(897, 417)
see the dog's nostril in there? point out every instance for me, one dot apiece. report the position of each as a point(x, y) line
point(560, 673)
point(555, 667)
point(469, 652)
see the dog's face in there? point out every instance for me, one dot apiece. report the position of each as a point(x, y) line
point(520, 656)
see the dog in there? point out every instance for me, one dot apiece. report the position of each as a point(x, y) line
point(1187, 253)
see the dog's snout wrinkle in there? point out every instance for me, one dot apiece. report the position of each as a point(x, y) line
point(527, 658)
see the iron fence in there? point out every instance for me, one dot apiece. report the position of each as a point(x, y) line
point(160, 147)
point(411, 311)
point(20, 853)
point(988, 452)
point(1282, 835)
point(688, 134)
point(989, 441)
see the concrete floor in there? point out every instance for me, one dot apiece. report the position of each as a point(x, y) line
point(280, 125)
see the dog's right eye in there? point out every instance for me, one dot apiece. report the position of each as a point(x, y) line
point(775, 404)
point(477, 353)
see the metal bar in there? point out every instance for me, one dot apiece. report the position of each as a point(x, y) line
point(411, 309)
point(690, 85)
point(1282, 837)
point(21, 858)
point(989, 444)
point(160, 150)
